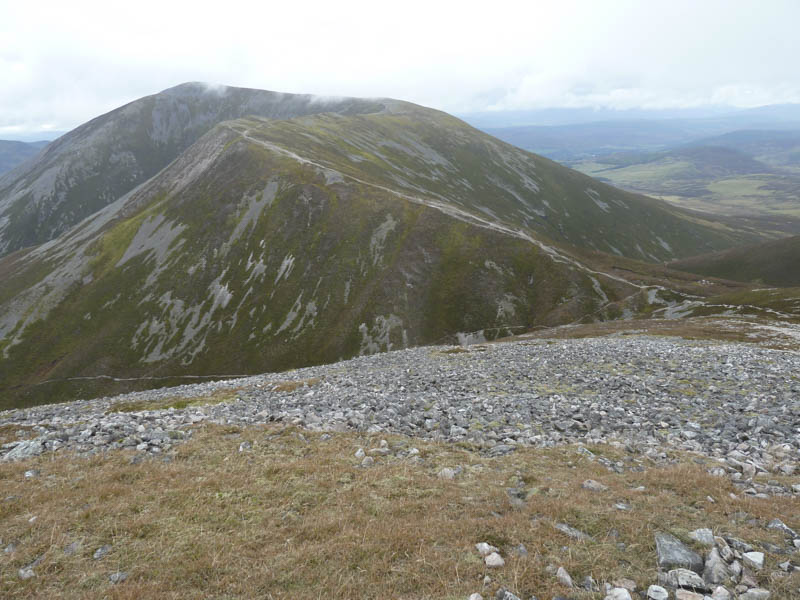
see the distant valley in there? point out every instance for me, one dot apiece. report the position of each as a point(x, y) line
point(745, 163)
point(741, 173)
point(13, 153)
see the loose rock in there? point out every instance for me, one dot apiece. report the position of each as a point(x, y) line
point(485, 549)
point(575, 534)
point(594, 486)
point(755, 594)
point(702, 536)
point(686, 579)
point(754, 560)
point(118, 577)
point(494, 560)
point(715, 570)
point(618, 594)
point(656, 592)
point(563, 577)
point(672, 554)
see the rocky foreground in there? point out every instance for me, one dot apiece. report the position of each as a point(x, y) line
point(735, 407)
point(736, 402)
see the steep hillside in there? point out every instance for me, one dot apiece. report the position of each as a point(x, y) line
point(424, 152)
point(271, 244)
point(98, 162)
point(772, 263)
point(13, 153)
point(241, 258)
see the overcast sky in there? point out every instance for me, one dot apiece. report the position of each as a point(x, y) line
point(62, 63)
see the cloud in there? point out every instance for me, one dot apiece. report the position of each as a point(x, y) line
point(65, 65)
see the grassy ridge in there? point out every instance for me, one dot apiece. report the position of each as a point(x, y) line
point(404, 150)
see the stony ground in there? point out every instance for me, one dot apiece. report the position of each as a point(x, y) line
point(737, 402)
point(736, 407)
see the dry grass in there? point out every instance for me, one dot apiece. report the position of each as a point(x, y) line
point(460, 350)
point(291, 386)
point(724, 329)
point(296, 517)
point(11, 433)
point(176, 402)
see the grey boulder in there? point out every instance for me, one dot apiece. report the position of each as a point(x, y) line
point(673, 554)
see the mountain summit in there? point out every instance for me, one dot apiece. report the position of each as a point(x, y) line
point(93, 165)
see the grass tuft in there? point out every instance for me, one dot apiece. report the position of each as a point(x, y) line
point(176, 402)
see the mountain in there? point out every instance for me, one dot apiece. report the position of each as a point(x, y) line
point(13, 153)
point(246, 255)
point(273, 243)
point(772, 263)
point(93, 165)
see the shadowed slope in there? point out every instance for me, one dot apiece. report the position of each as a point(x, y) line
point(772, 263)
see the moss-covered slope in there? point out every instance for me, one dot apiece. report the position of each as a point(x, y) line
point(239, 258)
point(427, 153)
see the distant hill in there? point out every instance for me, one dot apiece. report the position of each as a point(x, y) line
point(13, 153)
point(700, 161)
point(777, 116)
point(772, 263)
point(586, 140)
point(572, 134)
point(774, 148)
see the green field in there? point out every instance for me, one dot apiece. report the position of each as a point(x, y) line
point(688, 185)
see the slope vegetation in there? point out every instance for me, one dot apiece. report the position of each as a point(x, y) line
point(242, 258)
point(771, 263)
point(421, 152)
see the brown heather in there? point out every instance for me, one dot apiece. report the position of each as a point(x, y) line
point(296, 517)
